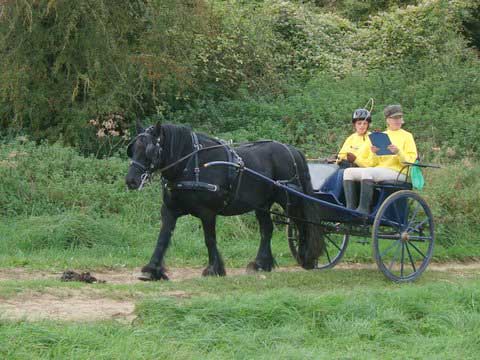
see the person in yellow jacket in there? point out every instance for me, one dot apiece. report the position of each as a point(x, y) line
point(381, 168)
point(348, 154)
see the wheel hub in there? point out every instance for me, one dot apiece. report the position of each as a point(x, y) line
point(404, 236)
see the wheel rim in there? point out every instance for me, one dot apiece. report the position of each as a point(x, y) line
point(403, 236)
point(335, 246)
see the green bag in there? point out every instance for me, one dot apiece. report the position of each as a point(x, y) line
point(417, 178)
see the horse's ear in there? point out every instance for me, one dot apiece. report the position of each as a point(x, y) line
point(157, 128)
point(139, 127)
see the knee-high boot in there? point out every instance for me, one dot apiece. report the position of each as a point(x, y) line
point(366, 196)
point(351, 196)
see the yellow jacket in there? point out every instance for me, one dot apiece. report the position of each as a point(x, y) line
point(355, 144)
point(403, 140)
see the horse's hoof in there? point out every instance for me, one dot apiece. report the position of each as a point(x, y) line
point(309, 265)
point(210, 271)
point(153, 275)
point(144, 276)
point(254, 267)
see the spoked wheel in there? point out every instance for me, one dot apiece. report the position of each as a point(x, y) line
point(335, 246)
point(403, 236)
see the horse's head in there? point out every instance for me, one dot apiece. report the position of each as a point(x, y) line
point(145, 152)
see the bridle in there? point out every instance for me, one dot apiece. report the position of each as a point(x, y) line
point(147, 171)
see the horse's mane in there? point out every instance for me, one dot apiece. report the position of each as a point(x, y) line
point(177, 137)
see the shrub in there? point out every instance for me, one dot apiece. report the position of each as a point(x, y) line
point(412, 34)
point(440, 100)
point(65, 61)
point(49, 180)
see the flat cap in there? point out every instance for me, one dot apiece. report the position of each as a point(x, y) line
point(393, 110)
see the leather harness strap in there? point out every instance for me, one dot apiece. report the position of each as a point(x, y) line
point(232, 156)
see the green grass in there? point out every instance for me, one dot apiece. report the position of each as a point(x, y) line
point(61, 210)
point(333, 314)
point(75, 241)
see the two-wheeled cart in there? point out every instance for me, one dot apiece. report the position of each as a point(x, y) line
point(400, 223)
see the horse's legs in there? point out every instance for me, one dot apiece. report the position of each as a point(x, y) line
point(154, 270)
point(264, 260)
point(215, 263)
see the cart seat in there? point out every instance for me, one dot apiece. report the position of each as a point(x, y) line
point(319, 172)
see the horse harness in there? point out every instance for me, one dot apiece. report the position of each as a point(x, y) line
point(147, 171)
point(234, 175)
point(198, 185)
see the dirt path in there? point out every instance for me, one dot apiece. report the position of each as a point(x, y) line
point(74, 307)
point(91, 305)
point(129, 276)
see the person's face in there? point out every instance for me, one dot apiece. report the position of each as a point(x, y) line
point(395, 122)
point(361, 127)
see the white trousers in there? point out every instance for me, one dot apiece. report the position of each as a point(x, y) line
point(375, 174)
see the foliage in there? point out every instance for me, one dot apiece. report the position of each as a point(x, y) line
point(440, 99)
point(471, 23)
point(408, 35)
point(311, 42)
point(97, 60)
point(61, 60)
point(239, 53)
point(359, 11)
point(49, 180)
point(456, 194)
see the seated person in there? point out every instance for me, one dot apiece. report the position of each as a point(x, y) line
point(348, 154)
point(381, 168)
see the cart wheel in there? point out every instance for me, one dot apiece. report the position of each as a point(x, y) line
point(335, 246)
point(403, 236)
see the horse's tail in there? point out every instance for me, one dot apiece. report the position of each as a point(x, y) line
point(311, 239)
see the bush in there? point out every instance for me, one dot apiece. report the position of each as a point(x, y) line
point(441, 102)
point(359, 11)
point(454, 195)
point(49, 180)
point(309, 41)
point(67, 69)
point(412, 34)
point(64, 62)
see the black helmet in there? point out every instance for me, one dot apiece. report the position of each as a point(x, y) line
point(361, 114)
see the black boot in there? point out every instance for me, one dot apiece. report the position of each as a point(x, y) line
point(366, 197)
point(351, 196)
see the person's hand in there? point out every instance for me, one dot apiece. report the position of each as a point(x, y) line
point(393, 148)
point(351, 158)
point(374, 149)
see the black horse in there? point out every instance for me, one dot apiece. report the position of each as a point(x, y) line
point(205, 192)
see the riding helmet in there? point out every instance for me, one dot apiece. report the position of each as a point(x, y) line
point(361, 114)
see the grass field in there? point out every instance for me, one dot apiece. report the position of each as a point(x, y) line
point(62, 211)
point(347, 314)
